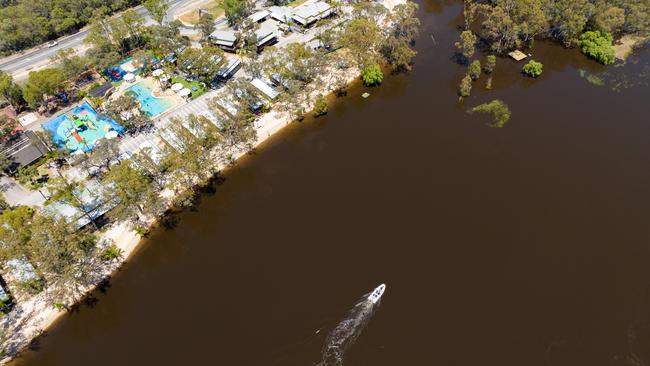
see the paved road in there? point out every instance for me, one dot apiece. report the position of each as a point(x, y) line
point(40, 56)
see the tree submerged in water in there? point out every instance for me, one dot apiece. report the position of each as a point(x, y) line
point(497, 108)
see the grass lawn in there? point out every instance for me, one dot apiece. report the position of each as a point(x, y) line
point(192, 17)
point(296, 3)
point(190, 84)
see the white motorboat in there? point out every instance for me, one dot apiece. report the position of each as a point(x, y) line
point(376, 293)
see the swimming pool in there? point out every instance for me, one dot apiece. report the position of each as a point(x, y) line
point(149, 104)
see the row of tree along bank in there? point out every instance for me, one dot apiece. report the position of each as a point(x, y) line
point(67, 259)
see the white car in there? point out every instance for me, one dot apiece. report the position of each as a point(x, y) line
point(51, 44)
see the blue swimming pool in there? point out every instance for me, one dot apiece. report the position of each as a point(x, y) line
point(149, 104)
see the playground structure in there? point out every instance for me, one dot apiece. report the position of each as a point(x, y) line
point(81, 127)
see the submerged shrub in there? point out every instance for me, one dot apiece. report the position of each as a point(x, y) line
point(497, 108)
point(533, 68)
point(320, 106)
point(372, 75)
point(597, 45)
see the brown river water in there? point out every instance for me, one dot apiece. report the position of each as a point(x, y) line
point(525, 245)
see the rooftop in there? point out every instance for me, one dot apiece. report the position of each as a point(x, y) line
point(310, 13)
point(260, 15)
point(224, 35)
point(265, 88)
point(101, 90)
point(23, 149)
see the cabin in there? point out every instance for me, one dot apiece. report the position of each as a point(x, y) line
point(259, 16)
point(229, 69)
point(94, 207)
point(225, 39)
point(22, 149)
point(266, 36)
point(307, 15)
point(227, 106)
point(265, 89)
point(281, 14)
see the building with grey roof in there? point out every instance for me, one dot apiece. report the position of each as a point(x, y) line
point(265, 36)
point(259, 16)
point(226, 39)
point(308, 14)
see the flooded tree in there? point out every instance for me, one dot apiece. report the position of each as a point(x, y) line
point(466, 45)
point(490, 63)
point(474, 70)
point(465, 87)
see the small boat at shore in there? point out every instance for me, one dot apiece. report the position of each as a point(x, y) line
point(376, 294)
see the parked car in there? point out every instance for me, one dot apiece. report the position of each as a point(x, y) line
point(51, 44)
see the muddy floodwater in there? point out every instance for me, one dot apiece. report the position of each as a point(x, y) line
point(525, 245)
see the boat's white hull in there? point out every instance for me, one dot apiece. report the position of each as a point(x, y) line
point(376, 294)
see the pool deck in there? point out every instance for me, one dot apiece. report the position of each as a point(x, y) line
point(156, 93)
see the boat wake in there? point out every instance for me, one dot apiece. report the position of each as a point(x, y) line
point(348, 330)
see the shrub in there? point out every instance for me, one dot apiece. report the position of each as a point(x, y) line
point(111, 252)
point(533, 68)
point(465, 87)
point(597, 45)
point(141, 230)
point(497, 108)
point(474, 69)
point(372, 75)
point(320, 107)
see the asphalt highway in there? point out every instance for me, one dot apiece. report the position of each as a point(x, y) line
point(20, 65)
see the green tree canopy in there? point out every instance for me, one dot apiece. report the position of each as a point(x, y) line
point(205, 63)
point(465, 87)
point(362, 37)
point(598, 45)
point(533, 68)
point(474, 69)
point(236, 10)
point(45, 81)
point(157, 9)
point(134, 191)
point(372, 75)
point(397, 47)
point(467, 43)
point(10, 91)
